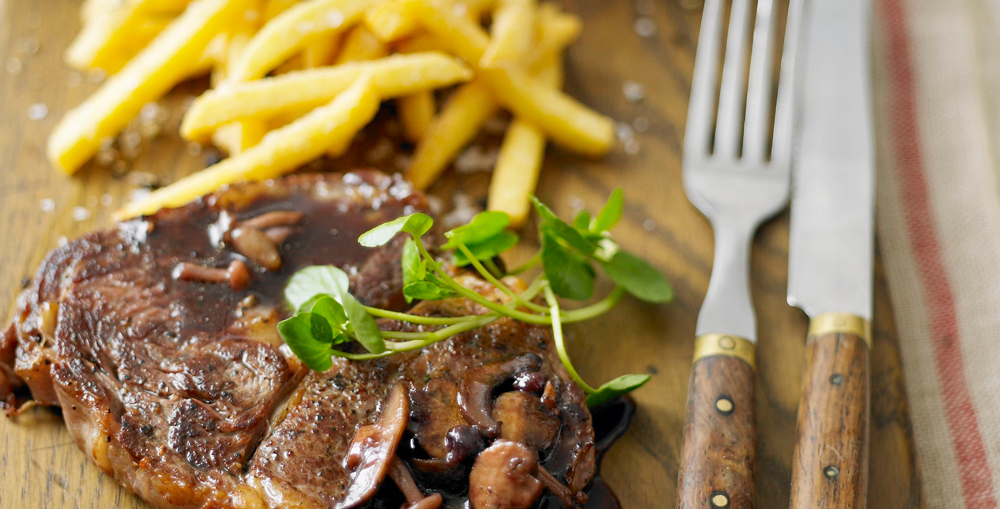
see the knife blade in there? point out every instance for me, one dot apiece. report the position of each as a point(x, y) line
point(830, 255)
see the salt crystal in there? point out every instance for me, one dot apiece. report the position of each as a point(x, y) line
point(106, 200)
point(30, 46)
point(624, 132)
point(80, 213)
point(641, 124)
point(633, 92)
point(74, 79)
point(13, 66)
point(649, 225)
point(34, 20)
point(138, 194)
point(38, 111)
point(632, 147)
point(475, 159)
point(644, 27)
point(150, 111)
point(96, 75)
point(48, 205)
point(62, 241)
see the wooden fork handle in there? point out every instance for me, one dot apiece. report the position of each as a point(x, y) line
point(717, 451)
point(830, 463)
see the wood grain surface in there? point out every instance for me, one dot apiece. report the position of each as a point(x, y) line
point(718, 440)
point(829, 470)
point(41, 467)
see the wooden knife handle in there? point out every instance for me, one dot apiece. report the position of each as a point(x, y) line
point(717, 452)
point(830, 464)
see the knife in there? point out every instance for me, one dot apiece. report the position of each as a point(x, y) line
point(830, 256)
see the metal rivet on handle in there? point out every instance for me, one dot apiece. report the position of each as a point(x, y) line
point(836, 379)
point(727, 343)
point(831, 472)
point(720, 500)
point(724, 405)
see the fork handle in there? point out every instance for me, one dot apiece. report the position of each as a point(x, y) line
point(717, 451)
point(830, 463)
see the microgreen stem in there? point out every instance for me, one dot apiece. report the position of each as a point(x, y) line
point(596, 309)
point(475, 297)
point(497, 283)
point(493, 268)
point(417, 319)
point(531, 263)
point(557, 335)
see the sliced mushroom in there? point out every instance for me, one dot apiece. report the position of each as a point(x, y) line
point(236, 274)
point(271, 219)
point(503, 477)
point(524, 419)
point(257, 246)
point(433, 413)
point(374, 447)
point(278, 234)
point(476, 392)
point(415, 498)
point(560, 490)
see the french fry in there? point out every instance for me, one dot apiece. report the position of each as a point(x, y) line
point(416, 112)
point(236, 137)
point(286, 34)
point(360, 44)
point(393, 20)
point(519, 162)
point(111, 39)
point(269, 97)
point(555, 31)
point(154, 71)
point(511, 34)
point(563, 119)
point(95, 9)
point(321, 50)
point(280, 152)
point(275, 7)
point(459, 121)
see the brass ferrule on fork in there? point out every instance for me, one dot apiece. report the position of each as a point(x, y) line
point(707, 345)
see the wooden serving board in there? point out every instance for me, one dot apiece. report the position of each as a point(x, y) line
point(41, 467)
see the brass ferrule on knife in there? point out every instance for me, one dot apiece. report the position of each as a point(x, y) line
point(840, 323)
point(707, 345)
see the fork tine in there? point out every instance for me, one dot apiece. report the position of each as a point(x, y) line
point(759, 87)
point(732, 92)
point(700, 109)
point(784, 111)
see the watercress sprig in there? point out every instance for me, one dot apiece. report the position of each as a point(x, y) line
point(327, 316)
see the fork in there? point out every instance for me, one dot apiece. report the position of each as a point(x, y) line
point(737, 180)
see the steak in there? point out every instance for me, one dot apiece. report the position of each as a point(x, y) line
point(157, 340)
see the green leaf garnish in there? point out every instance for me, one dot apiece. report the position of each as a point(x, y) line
point(611, 213)
point(327, 315)
point(488, 248)
point(568, 275)
point(639, 278)
point(618, 387)
point(415, 224)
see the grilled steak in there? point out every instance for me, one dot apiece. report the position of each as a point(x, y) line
point(157, 338)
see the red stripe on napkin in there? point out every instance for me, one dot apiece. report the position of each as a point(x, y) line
point(963, 425)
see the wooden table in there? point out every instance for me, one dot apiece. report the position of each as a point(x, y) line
point(41, 467)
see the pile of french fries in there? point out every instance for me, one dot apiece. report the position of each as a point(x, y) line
point(295, 80)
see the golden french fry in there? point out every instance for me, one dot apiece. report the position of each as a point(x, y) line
point(110, 40)
point(419, 43)
point(416, 112)
point(555, 30)
point(294, 63)
point(286, 34)
point(360, 44)
point(236, 137)
point(321, 50)
point(95, 9)
point(154, 71)
point(460, 120)
point(275, 7)
point(280, 152)
point(392, 76)
point(512, 33)
point(521, 153)
point(393, 20)
point(563, 119)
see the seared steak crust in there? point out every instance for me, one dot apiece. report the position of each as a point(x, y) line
point(157, 339)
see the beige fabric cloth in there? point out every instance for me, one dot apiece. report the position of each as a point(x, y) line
point(937, 101)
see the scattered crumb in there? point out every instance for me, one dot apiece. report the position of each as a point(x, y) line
point(644, 27)
point(633, 92)
point(475, 159)
point(62, 241)
point(74, 79)
point(38, 111)
point(80, 213)
point(30, 46)
point(138, 194)
point(649, 225)
point(13, 66)
point(626, 136)
point(640, 124)
point(48, 205)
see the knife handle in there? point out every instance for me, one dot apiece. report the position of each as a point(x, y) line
point(830, 464)
point(717, 451)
